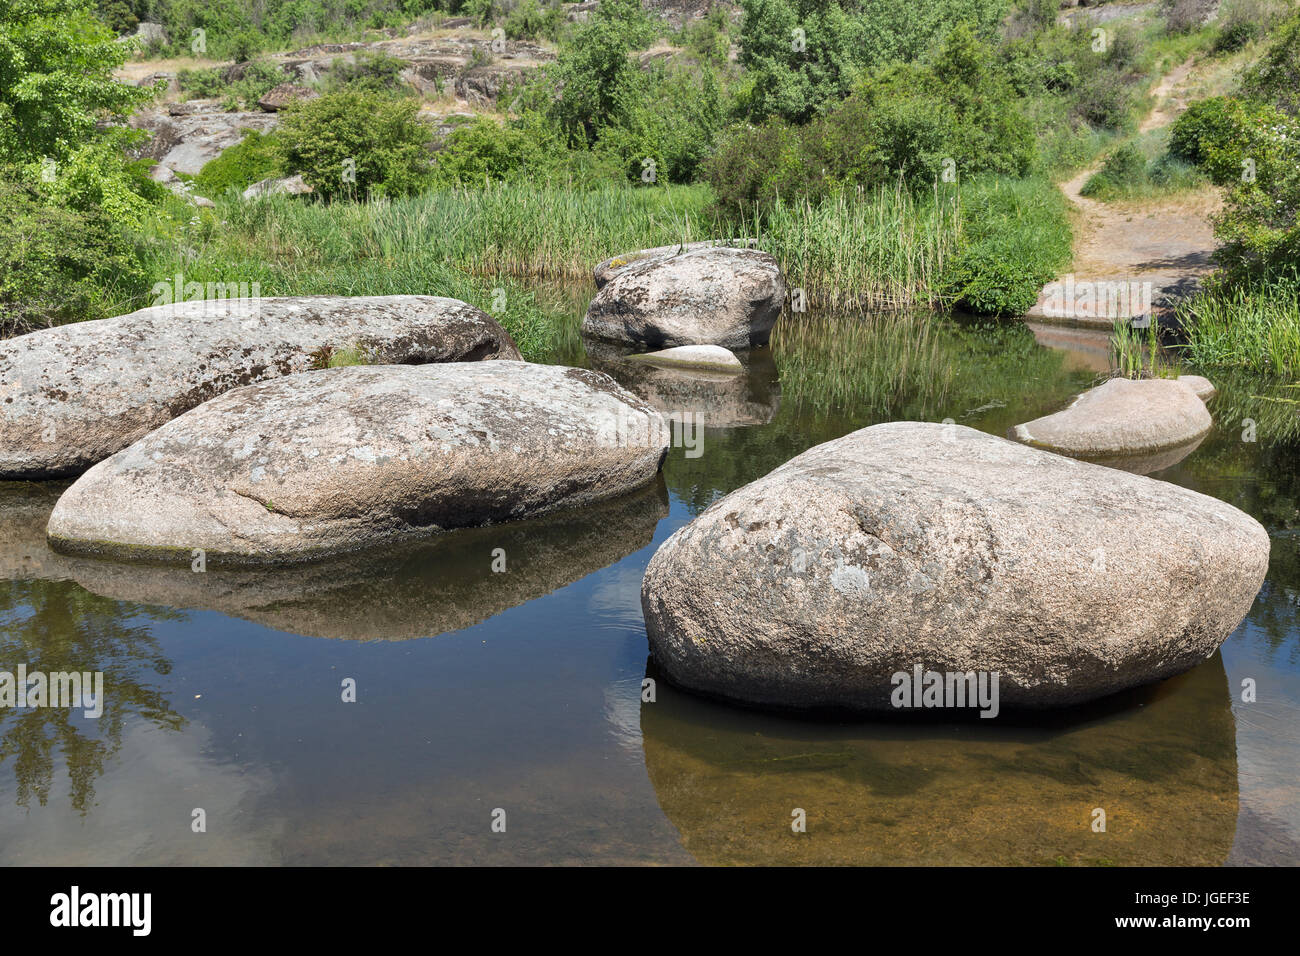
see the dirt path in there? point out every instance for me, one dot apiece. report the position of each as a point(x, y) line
point(1166, 242)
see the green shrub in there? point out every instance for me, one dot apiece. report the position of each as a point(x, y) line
point(249, 161)
point(1227, 137)
point(1275, 77)
point(1124, 169)
point(531, 20)
point(1015, 239)
point(484, 151)
point(370, 71)
point(58, 263)
point(354, 144)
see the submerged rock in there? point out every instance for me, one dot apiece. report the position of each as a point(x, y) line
point(1139, 426)
point(713, 296)
point(909, 545)
point(73, 395)
point(313, 464)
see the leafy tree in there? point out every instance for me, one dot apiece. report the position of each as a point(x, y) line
point(56, 64)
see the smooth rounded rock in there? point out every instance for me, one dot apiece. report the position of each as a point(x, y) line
point(73, 395)
point(713, 296)
point(334, 460)
point(706, 358)
point(909, 545)
point(1199, 384)
point(1136, 425)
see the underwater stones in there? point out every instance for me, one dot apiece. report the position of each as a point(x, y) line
point(333, 460)
point(1139, 426)
point(73, 395)
point(909, 544)
point(709, 296)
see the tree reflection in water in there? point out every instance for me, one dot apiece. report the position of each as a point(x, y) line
point(57, 626)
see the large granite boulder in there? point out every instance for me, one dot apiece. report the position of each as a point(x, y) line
point(711, 296)
point(73, 395)
point(1137, 425)
point(910, 545)
point(330, 461)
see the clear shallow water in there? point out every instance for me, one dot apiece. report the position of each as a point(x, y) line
point(479, 690)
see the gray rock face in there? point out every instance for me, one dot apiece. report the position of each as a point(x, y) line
point(713, 296)
point(73, 395)
point(192, 134)
point(278, 97)
point(333, 460)
point(612, 266)
point(911, 544)
point(1139, 426)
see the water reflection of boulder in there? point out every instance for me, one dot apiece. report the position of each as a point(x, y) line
point(24, 511)
point(718, 399)
point(1161, 762)
point(416, 590)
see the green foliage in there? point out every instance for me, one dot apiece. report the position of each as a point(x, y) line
point(249, 161)
point(1015, 239)
point(1275, 77)
point(238, 87)
point(352, 144)
point(594, 83)
point(1253, 326)
point(531, 20)
point(60, 263)
point(485, 151)
point(954, 116)
point(371, 71)
point(1227, 137)
point(56, 65)
point(803, 56)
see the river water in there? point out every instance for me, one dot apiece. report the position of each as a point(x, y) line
point(484, 696)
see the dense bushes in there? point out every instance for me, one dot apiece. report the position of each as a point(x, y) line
point(954, 116)
point(60, 264)
point(355, 144)
point(803, 56)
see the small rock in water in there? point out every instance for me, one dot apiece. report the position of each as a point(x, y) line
point(711, 358)
point(911, 548)
point(1139, 426)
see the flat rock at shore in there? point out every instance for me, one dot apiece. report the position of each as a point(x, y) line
point(1135, 425)
point(710, 296)
point(909, 546)
point(71, 396)
point(330, 461)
